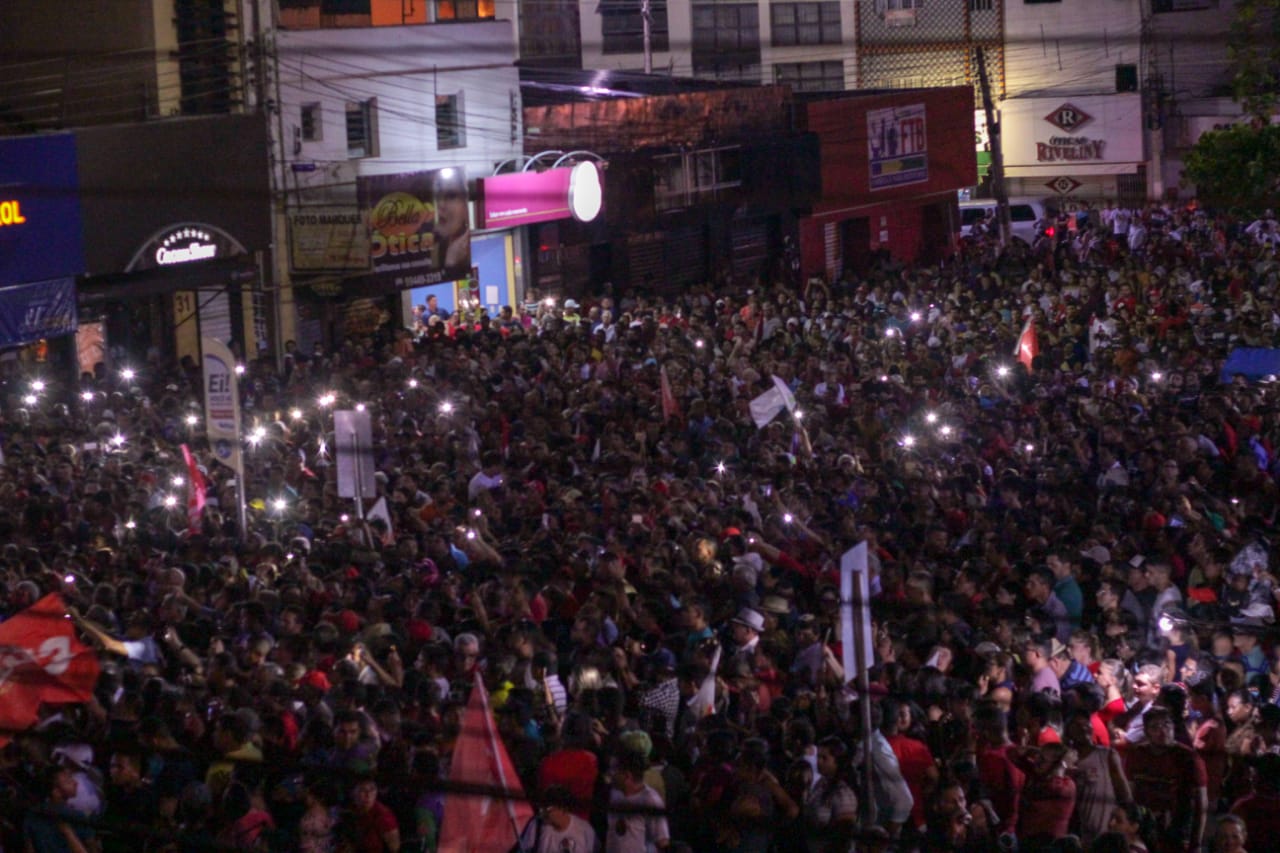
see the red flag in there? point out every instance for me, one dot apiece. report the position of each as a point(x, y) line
point(476, 823)
point(196, 495)
point(1028, 344)
point(41, 661)
point(670, 408)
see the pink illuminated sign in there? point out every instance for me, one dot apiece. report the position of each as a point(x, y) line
point(523, 198)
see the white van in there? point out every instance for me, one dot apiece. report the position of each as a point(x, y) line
point(1025, 215)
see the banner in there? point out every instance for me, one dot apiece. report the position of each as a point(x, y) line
point(222, 404)
point(196, 494)
point(31, 312)
point(41, 661)
point(477, 823)
point(897, 146)
point(419, 225)
point(324, 239)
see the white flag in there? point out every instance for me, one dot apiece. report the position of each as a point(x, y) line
point(379, 510)
point(766, 407)
point(788, 399)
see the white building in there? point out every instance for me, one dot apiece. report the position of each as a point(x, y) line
point(418, 102)
point(1073, 117)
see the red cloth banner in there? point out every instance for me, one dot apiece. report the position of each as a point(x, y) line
point(670, 409)
point(41, 662)
point(477, 823)
point(1028, 344)
point(196, 494)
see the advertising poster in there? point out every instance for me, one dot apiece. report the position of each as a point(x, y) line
point(222, 404)
point(31, 312)
point(418, 224)
point(40, 217)
point(326, 239)
point(897, 146)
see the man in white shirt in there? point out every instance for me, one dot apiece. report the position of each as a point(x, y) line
point(638, 826)
point(555, 829)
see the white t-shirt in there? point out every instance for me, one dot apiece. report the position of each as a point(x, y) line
point(640, 833)
point(577, 837)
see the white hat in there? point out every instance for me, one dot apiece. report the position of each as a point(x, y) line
point(571, 303)
point(750, 618)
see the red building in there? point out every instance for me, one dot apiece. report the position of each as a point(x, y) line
point(892, 164)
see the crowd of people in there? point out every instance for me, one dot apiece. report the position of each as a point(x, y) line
point(1069, 557)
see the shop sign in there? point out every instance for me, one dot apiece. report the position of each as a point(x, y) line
point(1063, 185)
point(526, 198)
point(40, 216)
point(327, 239)
point(897, 146)
point(185, 243)
point(418, 225)
point(1068, 118)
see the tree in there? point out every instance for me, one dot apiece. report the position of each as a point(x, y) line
point(1254, 51)
point(1238, 166)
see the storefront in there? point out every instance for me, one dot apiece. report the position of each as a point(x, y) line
point(1075, 149)
point(41, 248)
point(176, 250)
point(892, 165)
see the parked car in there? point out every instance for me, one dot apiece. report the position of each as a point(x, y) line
point(1025, 217)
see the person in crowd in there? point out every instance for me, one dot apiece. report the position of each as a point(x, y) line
point(626, 513)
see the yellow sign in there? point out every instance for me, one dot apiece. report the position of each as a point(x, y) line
point(11, 213)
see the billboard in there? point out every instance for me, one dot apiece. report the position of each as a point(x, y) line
point(323, 239)
point(30, 312)
point(1092, 134)
point(40, 218)
point(897, 146)
point(418, 225)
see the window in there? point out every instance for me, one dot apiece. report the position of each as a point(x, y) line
point(899, 13)
point(623, 26)
point(464, 10)
point(805, 23)
point(726, 29)
point(698, 176)
point(1182, 5)
point(1126, 78)
point(1041, 1)
point(810, 76)
point(981, 5)
point(312, 127)
point(450, 131)
point(362, 139)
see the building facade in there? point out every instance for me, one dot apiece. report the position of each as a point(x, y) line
point(372, 117)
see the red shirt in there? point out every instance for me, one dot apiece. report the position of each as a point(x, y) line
point(1004, 781)
point(371, 826)
point(1261, 815)
point(1047, 805)
point(915, 760)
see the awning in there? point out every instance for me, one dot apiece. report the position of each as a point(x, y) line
point(1070, 168)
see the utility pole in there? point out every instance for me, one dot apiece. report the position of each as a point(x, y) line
point(646, 16)
point(997, 151)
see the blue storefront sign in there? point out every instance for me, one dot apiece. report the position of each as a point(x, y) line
point(40, 222)
point(31, 312)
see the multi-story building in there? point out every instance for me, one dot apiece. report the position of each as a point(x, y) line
point(370, 117)
point(1188, 76)
point(1072, 119)
point(808, 45)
